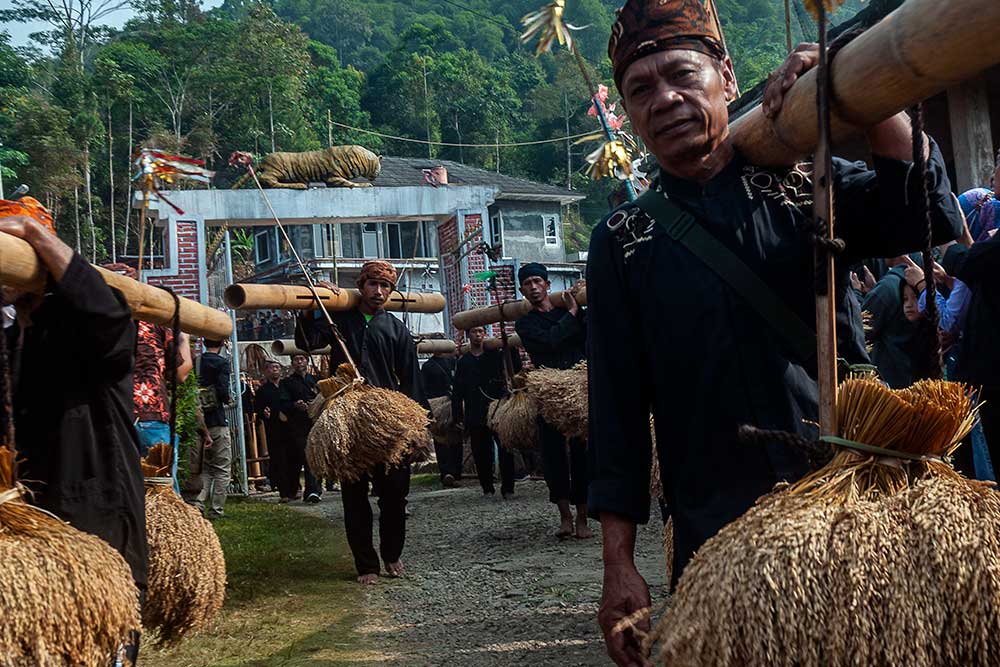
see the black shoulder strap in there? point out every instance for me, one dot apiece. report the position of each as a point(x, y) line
point(683, 228)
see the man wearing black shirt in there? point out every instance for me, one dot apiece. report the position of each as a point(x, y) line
point(71, 355)
point(383, 349)
point(267, 405)
point(297, 390)
point(479, 379)
point(555, 335)
point(213, 372)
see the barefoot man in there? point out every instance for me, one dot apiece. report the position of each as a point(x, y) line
point(554, 335)
point(383, 349)
point(671, 336)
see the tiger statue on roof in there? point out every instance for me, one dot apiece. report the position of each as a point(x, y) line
point(336, 166)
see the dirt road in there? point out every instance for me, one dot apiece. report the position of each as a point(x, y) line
point(488, 583)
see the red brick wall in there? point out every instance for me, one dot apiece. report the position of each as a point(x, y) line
point(185, 283)
point(451, 281)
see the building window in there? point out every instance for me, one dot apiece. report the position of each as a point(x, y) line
point(262, 246)
point(496, 230)
point(369, 240)
point(551, 225)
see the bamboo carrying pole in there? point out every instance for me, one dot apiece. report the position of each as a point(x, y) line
point(920, 49)
point(287, 347)
point(248, 296)
point(21, 268)
point(512, 311)
point(513, 341)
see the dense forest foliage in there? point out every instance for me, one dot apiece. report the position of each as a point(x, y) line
point(286, 74)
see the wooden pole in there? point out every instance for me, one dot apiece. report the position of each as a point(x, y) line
point(513, 342)
point(287, 348)
point(21, 268)
point(249, 296)
point(512, 311)
point(920, 49)
point(826, 306)
point(436, 346)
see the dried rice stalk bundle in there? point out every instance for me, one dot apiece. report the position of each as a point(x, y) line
point(187, 569)
point(68, 598)
point(668, 548)
point(562, 398)
point(362, 427)
point(910, 579)
point(873, 559)
point(514, 419)
point(655, 481)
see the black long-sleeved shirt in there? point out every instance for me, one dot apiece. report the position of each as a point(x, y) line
point(213, 371)
point(436, 376)
point(979, 268)
point(295, 388)
point(73, 412)
point(268, 396)
point(554, 339)
point(382, 348)
point(667, 335)
point(479, 380)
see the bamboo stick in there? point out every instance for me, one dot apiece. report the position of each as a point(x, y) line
point(436, 346)
point(512, 311)
point(287, 347)
point(21, 268)
point(920, 49)
point(513, 341)
point(248, 296)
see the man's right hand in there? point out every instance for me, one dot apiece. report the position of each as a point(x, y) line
point(625, 592)
point(328, 285)
point(570, 303)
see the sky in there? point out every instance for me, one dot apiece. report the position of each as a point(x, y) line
point(19, 31)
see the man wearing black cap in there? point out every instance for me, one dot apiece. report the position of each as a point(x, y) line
point(673, 332)
point(554, 336)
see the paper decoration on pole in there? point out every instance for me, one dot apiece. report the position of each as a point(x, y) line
point(548, 23)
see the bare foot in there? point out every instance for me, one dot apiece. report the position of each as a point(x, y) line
point(367, 579)
point(583, 530)
point(395, 569)
point(565, 527)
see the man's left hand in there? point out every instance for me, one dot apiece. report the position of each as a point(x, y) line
point(55, 254)
point(798, 62)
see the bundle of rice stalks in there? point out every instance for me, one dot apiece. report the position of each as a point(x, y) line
point(362, 427)
point(880, 557)
point(187, 569)
point(514, 418)
point(562, 398)
point(68, 598)
point(441, 412)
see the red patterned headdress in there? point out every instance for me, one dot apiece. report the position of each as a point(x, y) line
point(377, 269)
point(648, 26)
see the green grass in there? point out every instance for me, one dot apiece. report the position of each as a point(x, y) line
point(425, 480)
point(292, 600)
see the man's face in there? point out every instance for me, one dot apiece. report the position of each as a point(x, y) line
point(375, 293)
point(677, 100)
point(535, 289)
point(477, 335)
point(299, 363)
point(273, 371)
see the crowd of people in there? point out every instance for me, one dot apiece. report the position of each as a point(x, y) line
point(266, 325)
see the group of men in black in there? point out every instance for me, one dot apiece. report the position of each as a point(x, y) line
point(281, 405)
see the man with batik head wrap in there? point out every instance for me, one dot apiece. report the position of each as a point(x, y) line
point(727, 365)
point(386, 356)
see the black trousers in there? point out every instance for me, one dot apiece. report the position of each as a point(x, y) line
point(277, 460)
point(295, 461)
point(449, 457)
point(483, 444)
point(565, 472)
point(391, 486)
